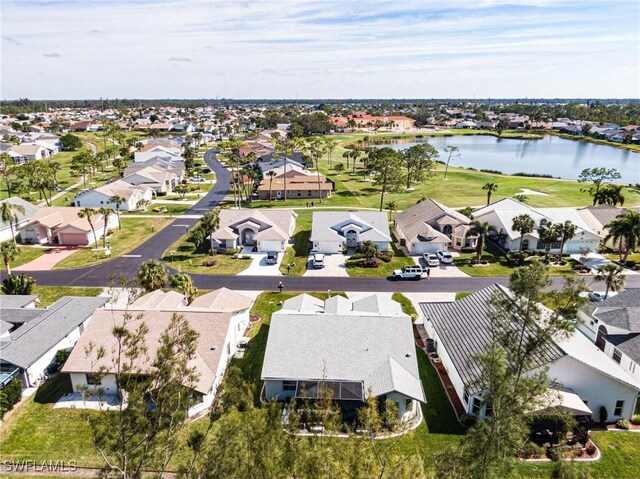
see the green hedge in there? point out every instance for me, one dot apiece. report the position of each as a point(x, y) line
point(10, 396)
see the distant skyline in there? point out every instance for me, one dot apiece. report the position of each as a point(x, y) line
point(77, 49)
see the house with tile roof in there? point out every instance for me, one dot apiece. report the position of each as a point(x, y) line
point(461, 331)
point(60, 225)
point(36, 335)
point(354, 353)
point(262, 230)
point(430, 226)
point(331, 231)
point(614, 326)
point(500, 215)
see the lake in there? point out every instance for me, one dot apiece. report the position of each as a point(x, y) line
point(551, 155)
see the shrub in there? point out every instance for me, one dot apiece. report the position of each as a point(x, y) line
point(372, 263)
point(635, 419)
point(22, 284)
point(357, 256)
point(495, 172)
point(516, 258)
point(209, 263)
point(387, 256)
point(531, 449)
point(339, 167)
point(62, 355)
point(161, 193)
point(468, 420)
point(10, 396)
point(623, 424)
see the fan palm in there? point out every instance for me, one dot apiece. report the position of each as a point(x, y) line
point(117, 201)
point(9, 252)
point(611, 275)
point(88, 214)
point(8, 215)
point(481, 230)
point(524, 225)
point(625, 228)
point(152, 275)
point(490, 188)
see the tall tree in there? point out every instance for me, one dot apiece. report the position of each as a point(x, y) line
point(625, 228)
point(612, 276)
point(105, 212)
point(481, 230)
point(83, 164)
point(118, 201)
point(271, 174)
point(330, 146)
point(316, 147)
point(490, 188)
point(385, 163)
point(597, 177)
point(9, 215)
point(549, 233)
point(419, 161)
point(9, 252)
point(512, 376)
point(202, 231)
point(152, 275)
point(567, 231)
point(391, 207)
point(88, 214)
point(7, 166)
point(524, 225)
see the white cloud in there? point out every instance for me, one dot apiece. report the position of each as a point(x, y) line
point(446, 48)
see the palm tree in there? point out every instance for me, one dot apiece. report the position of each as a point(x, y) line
point(625, 228)
point(9, 216)
point(105, 213)
point(271, 174)
point(524, 225)
point(118, 200)
point(481, 230)
point(490, 188)
point(549, 233)
point(611, 275)
point(567, 231)
point(392, 207)
point(89, 213)
point(152, 275)
point(9, 252)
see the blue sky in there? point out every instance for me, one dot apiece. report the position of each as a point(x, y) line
point(59, 49)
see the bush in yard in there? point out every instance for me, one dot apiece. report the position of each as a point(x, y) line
point(22, 284)
point(368, 249)
point(372, 263)
point(339, 167)
point(62, 355)
point(604, 414)
point(10, 396)
point(623, 424)
point(516, 258)
point(635, 419)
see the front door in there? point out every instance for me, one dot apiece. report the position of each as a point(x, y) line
point(352, 239)
point(247, 237)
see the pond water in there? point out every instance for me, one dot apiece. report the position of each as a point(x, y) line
point(551, 155)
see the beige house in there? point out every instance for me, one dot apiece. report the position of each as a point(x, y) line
point(430, 226)
point(263, 230)
point(599, 217)
point(60, 225)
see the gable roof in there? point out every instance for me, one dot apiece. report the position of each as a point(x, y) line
point(211, 327)
point(33, 339)
point(377, 351)
point(14, 301)
point(420, 221)
point(223, 300)
point(329, 225)
point(62, 217)
point(29, 211)
point(160, 300)
point(271, 224)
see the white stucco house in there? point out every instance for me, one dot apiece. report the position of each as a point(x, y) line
point(219, 317)
point(356, 348)
point(164, 151)
point(500, 215)
point(331, 231)
point(31, 337)
point(263, 230)
point(101, 196)
point(430, 226)
point(583, 374)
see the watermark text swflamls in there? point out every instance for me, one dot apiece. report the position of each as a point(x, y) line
point(40, 466)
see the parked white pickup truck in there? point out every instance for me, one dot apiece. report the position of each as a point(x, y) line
point(408, 272)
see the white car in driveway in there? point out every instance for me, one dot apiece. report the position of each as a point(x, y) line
point(431, 259)
point(444, 257)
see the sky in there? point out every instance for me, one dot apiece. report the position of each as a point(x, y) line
point(77, 49)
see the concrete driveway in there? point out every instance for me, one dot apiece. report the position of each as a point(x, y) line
point(442, 271)
point(259, 266)
point(596, 261)
point(48, 260)
point(334, 265)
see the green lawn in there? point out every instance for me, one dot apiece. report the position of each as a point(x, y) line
point(462, 294)
point(298, 254)
point(384, 270)
point(50, 294)
point(184, 258)
point(27, 254)
point(160, 209)
point(407, 306)
point(134, 232)
point(498, 264)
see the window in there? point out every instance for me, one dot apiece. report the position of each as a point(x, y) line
point(632, 366)
point(617, 355)
point(308, 193)
point(525, 244)
point(618, 410)
point(489, 409)
point(93, 379)
point(299, 193)
point(465, 396)
point(408, 404)
point(288, 385)
point(476, 406)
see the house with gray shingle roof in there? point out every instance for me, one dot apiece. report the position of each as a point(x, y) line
point(353, 352)
point(430, 226)
point(333, 230)
point(24, 215)
point(614, 327)
point(37, 335)
point(461, 331)
point(264, 230)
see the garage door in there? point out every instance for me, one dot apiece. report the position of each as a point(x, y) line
point(73, 238)
point(270, 246)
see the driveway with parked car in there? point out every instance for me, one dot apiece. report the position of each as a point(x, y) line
point(262, 264)
point(440, 269)
point(334, 265)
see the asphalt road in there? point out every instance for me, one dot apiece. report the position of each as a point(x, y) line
point(100, 275)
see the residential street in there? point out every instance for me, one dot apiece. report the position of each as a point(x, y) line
point(100, 275)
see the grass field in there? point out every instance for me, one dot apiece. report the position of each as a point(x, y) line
point(50, 294)
point(184, 258)
point(27, 254)
point(298, 254)
point(134, 232)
